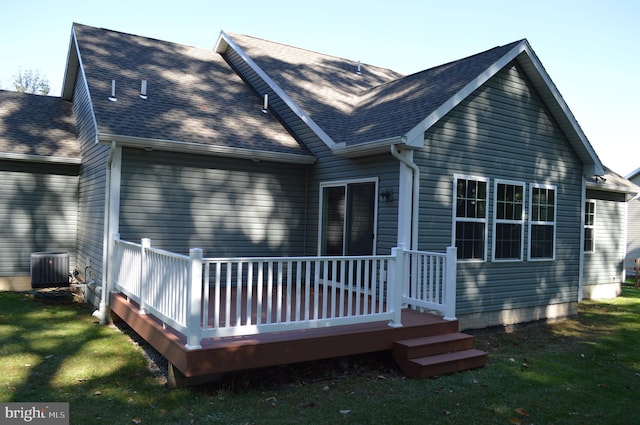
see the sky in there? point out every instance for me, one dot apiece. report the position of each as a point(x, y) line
point(589, 48)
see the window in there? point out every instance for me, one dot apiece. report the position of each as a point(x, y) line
point(589, 226)
point(347, 218)
point(508, 215)
point(542, 224)
point(470, 217)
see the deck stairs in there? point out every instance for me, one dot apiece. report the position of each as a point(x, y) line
point(439, 354)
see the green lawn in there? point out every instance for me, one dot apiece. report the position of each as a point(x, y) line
point(585, 370)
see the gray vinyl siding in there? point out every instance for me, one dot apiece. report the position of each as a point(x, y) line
point(605, 265)
point(503, 131)
point(91, 187)
point(227, 207)
point(38, 213)
point(633, 227)
point(330, 167)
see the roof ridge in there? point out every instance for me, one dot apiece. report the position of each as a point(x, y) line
point(315, 52)
point(128, 34)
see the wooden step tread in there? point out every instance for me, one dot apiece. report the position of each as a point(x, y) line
point(442, 364)
point(434, 339)
point(449, 357)
point(431, 345)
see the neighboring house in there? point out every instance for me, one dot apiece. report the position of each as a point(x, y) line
point(39, 168)
point(633, 223)
point(608, 206)
point(346, 159)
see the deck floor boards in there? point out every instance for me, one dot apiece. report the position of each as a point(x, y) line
point(226, 354)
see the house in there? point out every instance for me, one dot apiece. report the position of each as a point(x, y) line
point(633, 229)
point(609, 205)
point(39, 169)
point(259, 149)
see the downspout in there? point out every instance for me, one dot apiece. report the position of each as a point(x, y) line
point(581, 262)
point(102, 314)
point(415, 200)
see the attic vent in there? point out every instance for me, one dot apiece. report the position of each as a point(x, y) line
point(143, 89)
point(359, 69)
point(265, 104)
point(113, 97)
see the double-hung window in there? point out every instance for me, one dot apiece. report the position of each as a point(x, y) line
point(470, 217)
point(542, 222)
point(590, 226)
point(508, 215)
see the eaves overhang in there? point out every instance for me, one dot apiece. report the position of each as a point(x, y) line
point(40, 158)
point(608, 188)
point(369, 148)
point(210, 150)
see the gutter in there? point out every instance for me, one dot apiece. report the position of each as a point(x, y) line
point(196, 148)
point(415, 202)
point(40, 159)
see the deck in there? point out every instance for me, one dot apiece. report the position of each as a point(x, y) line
point(227, 354)
point(209, 316)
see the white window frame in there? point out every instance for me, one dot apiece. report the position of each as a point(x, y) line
point(553, 223)
point(591, 226)
point(456, 219)
point(521, 221)
point(345, 184)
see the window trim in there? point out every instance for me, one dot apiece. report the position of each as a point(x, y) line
point(455, 219)
point(590, 226)
point(496, 221)
point(532, 223)
point(345, 183)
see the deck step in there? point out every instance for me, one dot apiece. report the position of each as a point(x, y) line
point(438, 354)
point(432, 345)
point(441, 364)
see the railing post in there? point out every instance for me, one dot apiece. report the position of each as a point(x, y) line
point(450, 284)
point(111, 264)
point(145, 244)
point(395, 282)
point(194, 299)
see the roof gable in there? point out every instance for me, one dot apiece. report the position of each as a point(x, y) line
point(354, 115)
point(322, 89)
point(37, 128)
point(394, 109)
point(194, 99)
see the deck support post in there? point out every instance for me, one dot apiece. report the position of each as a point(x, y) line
point(395, 284)
point(144, 245)
point(194, 299)
point(450, 284)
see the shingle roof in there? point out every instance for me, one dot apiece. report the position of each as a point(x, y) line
point(613, 182)
point(193, 95)
point(327, 88)
point(391, 110)
point(358, 108)
point(33, 126)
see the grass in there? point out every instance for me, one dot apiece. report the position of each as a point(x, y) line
point(585, 370)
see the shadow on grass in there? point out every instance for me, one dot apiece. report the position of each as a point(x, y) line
point(581, 370)
point(54, 351)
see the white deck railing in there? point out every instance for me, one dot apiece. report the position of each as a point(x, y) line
point(216, 297)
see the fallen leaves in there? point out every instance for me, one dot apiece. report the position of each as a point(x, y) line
point(516, 420)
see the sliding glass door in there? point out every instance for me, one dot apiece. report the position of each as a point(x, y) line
point(348, 218)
